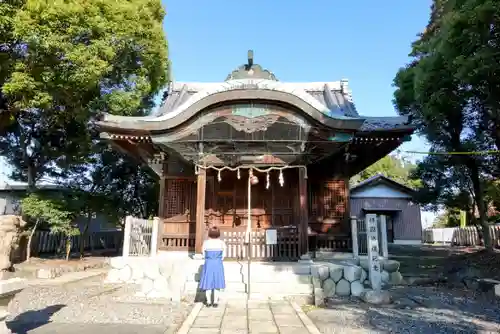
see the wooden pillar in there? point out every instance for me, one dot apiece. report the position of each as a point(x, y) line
point(161, 212)
point(200, 209)
point(126, 236)
point(303, 213)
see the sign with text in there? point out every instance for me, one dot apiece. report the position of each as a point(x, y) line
point(271, 237)
point(373, 251)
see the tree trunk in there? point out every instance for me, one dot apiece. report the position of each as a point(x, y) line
point(30, 238)
point(31, 177)
point(68, 246)
point(481, 206)
point(83, 237)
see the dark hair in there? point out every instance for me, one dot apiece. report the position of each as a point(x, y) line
point(213, 232)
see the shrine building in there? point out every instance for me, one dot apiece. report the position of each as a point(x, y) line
point(296, 143)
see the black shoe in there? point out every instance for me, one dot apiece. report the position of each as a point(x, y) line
point(207, 304)
point(215, 305)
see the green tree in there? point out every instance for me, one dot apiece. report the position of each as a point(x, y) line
point(113, 185)
point(397, 169)
point(52, 210)
point(443, 92)
point(62, 63)
point(449, 218)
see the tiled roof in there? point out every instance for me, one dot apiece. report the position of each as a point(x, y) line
point(330, 98)
point(385, 123)
point(334, 96)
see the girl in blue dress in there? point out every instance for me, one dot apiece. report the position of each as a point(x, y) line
point(212, 276)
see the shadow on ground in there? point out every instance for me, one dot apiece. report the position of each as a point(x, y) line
point(30, 320)
point(416, 310)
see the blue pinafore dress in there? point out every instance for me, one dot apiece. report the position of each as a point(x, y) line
point(212, 275)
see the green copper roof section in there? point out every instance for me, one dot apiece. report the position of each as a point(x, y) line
point(251, 71)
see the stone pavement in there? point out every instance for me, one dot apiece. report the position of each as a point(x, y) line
point(240, 317)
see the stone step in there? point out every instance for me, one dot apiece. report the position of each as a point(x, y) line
point(262, 267)
point(265, 288)
point(242, 297)
point(258, 277)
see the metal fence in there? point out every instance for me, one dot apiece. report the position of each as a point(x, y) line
point(45, 242)
point(362, 238)
point(140, 232)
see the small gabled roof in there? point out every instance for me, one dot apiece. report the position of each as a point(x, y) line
point(382, 179)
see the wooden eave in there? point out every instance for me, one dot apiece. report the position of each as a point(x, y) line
point(364, 150)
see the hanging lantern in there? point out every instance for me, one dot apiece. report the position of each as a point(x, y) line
point(253, 179)
point(238, 174)
point(267, 181)
point(219, 177)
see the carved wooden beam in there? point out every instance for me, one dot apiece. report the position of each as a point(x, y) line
point(158, 163)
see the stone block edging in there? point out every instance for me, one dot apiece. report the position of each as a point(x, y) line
point(311, 327)
point(349, 278)
point(189, 321)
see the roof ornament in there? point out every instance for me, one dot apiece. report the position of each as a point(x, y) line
point(250, 60)
point(250, 70)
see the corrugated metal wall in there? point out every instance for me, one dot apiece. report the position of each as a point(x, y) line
point(407, 222)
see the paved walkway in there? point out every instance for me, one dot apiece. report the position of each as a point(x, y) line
point(238, 317)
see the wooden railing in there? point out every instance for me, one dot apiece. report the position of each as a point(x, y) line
point(330, 243)
point(286, 249)
point(177, 242)
point(465, 236)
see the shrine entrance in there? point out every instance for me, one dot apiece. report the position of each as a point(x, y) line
point(258, 220)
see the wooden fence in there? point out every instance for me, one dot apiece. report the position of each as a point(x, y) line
point(286, 249)
point(465, 236)
point(45, 242)
point(330, 243)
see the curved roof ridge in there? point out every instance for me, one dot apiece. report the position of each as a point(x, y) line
point(317, 86)
point(261, 84)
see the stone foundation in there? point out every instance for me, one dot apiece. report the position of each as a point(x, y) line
point(349, 278)
point(157, 277)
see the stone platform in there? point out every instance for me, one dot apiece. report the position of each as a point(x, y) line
point(173, 277)
point(159, 277)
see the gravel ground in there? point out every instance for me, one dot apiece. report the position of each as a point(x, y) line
point(423, 310)
point(91, 302)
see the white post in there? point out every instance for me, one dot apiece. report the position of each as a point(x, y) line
point(126, 236)
point(383, 234)
point(154, 237)
point(354, 234)
point(373, 251)
point(249, 229)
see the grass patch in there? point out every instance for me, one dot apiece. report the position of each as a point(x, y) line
point(308, 308)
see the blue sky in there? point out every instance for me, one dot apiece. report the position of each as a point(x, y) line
point(319, 40)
